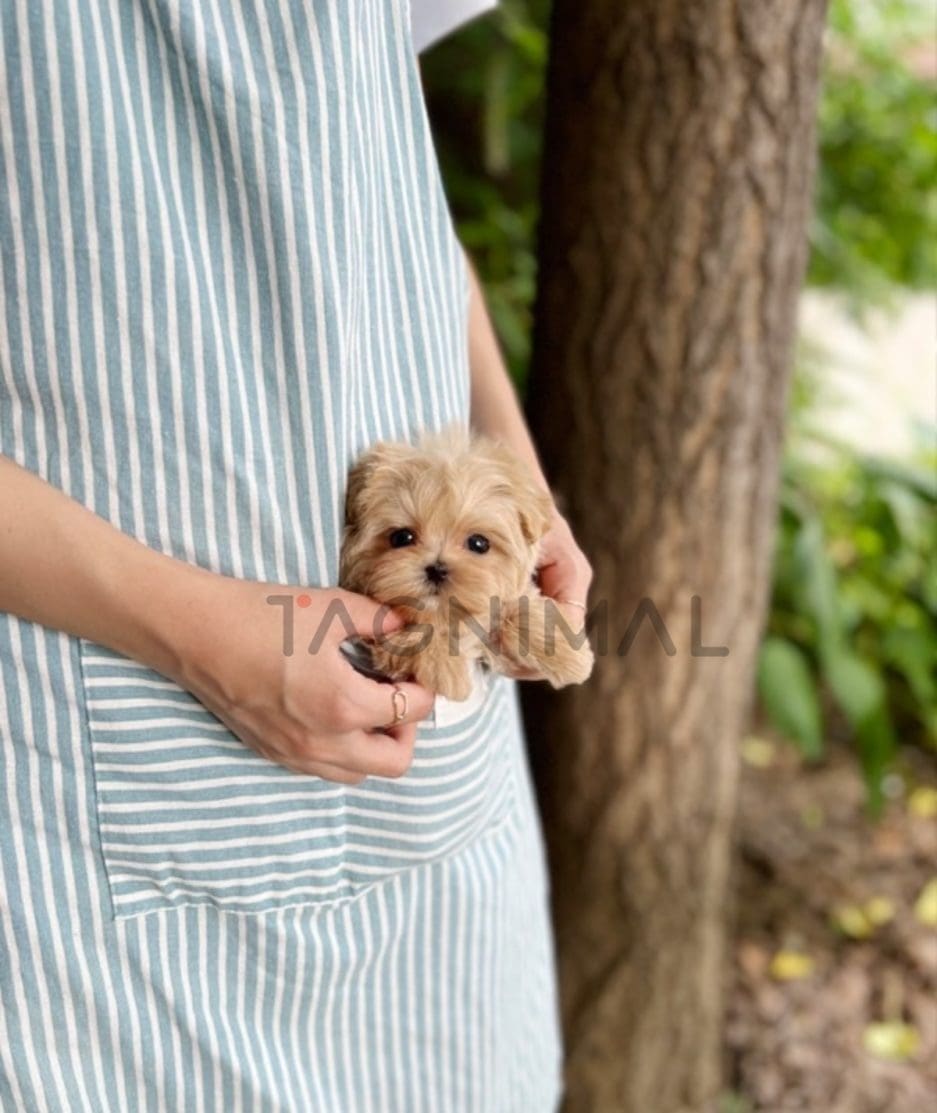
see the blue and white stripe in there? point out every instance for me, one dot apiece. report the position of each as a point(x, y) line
point(226, 266)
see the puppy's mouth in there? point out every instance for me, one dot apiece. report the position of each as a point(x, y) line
point(433, 595)
point(434, 598)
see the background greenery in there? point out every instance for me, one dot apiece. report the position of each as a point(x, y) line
point(852, 642)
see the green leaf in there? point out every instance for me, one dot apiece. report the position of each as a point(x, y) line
point(789, 694)
point(856, 684)
point(914, 653)
point(817, 582)
point(860, 691)
point(919, 481)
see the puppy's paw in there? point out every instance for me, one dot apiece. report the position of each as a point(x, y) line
point(411, 654)
point(568, 663)
point(445, 675)
point(536, 641)
point(398, 656)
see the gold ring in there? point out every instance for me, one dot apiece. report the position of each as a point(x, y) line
point(399, 700)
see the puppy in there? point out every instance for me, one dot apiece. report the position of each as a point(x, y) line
point(448, 532)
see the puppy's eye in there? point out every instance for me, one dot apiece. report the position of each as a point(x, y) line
point(478, 544)
point(401, 538)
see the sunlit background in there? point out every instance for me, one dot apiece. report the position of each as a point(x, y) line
point(835, 953)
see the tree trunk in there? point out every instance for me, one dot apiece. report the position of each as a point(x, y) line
point(676, 189)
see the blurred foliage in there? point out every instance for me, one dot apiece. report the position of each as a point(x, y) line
point(852, 635)
point(876, 217)
point(484, 88)
point(875, 223)
point(852, 641)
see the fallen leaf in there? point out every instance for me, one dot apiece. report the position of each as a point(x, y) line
point(853, 921)
point(879, 911)
point(925, 907)
point(813, 817)
point(791, 966)
point(922, 803)
point(758, 752)
point(892, 1040)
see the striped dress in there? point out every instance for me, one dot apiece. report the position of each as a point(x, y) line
point(226, 266)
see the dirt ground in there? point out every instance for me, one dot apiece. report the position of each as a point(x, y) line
point(833, 1005)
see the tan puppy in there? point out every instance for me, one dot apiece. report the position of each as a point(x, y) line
point(447, 531)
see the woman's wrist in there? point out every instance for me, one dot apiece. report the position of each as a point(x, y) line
point(142, 604)
point(495, 408)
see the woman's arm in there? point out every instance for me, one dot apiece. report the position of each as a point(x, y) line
point(496, 411)
point(565, 573)
point(68, 569)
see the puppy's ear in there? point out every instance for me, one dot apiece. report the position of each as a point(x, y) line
point(361, 494)
point(535, 509)
point(355, 492)
point(534, 505)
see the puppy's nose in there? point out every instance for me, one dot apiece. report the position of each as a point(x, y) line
point(437, 573)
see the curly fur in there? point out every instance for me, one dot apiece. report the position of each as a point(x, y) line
point(447, 488)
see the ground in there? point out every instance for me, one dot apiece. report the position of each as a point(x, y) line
point(833, 1006)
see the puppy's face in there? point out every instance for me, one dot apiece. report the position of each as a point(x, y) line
point(447, 520)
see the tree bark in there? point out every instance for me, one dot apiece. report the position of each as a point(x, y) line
point(677, 184)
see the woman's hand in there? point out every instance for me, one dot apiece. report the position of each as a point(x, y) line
point(565, 573)
point(221, 638)
point(308, 710)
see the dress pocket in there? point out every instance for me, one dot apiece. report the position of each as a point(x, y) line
point(188, 815)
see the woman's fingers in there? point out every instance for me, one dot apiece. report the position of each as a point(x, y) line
point(393, 754)
point(369, 619)
point(372, 744)
point(381, 703)
point(565, 580)
point(374, 753)
point(404, 735)
point(565, 573)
